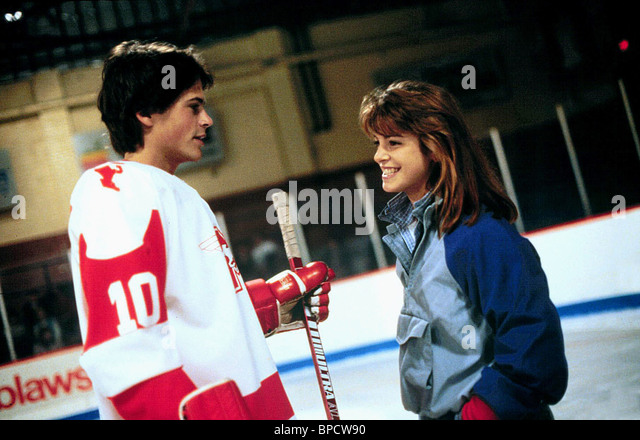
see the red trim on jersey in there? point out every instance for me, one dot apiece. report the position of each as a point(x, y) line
point(157, 398)
point(103, 280)
point(270, 401)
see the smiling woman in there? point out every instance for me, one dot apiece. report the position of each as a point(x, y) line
point(428, 119)
point(464, 267)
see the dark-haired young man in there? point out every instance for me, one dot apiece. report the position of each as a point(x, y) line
point(170, 329)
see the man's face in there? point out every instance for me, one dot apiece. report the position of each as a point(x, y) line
point(177, 135)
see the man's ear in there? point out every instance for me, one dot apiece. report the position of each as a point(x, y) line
point(145, 119)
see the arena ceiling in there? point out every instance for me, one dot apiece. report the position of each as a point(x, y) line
point(41, 34)
point(36, 35)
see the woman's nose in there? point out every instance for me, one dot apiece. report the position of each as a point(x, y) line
point(380, 155)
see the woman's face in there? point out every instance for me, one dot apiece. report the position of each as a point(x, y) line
point(404, 166)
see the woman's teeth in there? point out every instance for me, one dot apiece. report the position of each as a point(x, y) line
point(389, 171)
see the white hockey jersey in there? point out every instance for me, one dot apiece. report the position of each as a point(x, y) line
point(163, 308)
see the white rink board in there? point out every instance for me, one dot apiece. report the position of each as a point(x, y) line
point(591, 259)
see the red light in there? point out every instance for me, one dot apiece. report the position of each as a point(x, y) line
point(623, 45)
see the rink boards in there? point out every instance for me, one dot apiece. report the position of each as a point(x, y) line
point(593, 267)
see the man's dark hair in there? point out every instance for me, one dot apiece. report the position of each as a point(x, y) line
point(132, 82)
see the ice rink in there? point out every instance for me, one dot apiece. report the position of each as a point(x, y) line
point(595, 285)
point(603, 352)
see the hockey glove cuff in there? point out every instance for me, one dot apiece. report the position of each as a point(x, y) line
point(277, 300)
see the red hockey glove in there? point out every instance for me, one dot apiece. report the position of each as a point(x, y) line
point(275, 300)
point(219, 401)
point(476, 409)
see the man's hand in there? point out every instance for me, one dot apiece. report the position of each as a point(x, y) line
point(277, 300)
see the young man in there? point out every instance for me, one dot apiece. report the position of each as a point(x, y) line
point(170, 328)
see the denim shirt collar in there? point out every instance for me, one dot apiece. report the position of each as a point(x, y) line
point(401, 212)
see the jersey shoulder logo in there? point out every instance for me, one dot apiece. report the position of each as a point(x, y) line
point(218, 243)
point(108, 172)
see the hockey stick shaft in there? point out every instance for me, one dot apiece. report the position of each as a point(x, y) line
point(281, 205)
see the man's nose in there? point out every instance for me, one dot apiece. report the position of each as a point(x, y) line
point(206, 121)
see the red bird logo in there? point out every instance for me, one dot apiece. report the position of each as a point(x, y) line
point(107, 172)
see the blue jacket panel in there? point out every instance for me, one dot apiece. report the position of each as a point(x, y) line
point(500, 272)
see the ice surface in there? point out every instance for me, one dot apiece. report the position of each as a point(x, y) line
point(603, 352)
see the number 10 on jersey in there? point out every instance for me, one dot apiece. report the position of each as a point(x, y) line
point(141, 296)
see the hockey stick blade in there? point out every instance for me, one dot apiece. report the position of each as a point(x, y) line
point(281, 205)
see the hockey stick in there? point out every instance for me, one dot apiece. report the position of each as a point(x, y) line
point(281, 205)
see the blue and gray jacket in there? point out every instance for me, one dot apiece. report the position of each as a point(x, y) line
point(476, 317)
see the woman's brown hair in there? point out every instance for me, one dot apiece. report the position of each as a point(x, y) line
point(461, 175)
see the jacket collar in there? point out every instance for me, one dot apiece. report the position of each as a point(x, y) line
point(400, 211)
